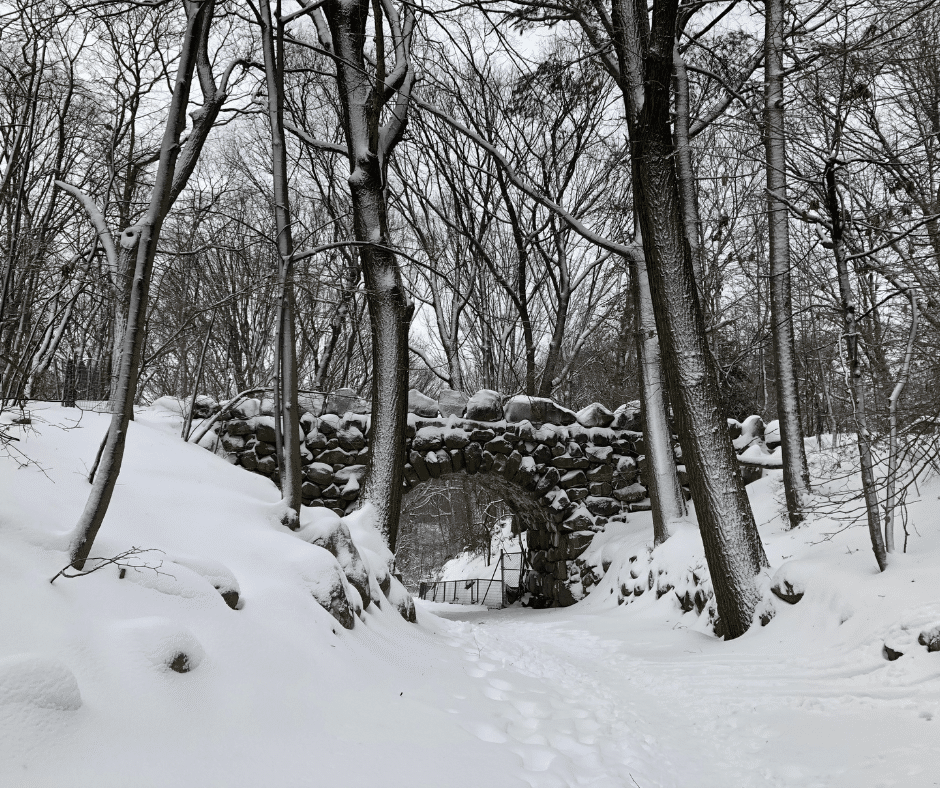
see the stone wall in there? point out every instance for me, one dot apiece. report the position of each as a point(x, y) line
point(571, 473)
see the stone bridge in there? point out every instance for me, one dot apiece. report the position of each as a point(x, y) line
point(565, 474)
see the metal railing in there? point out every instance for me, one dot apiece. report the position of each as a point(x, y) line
point(503, 588)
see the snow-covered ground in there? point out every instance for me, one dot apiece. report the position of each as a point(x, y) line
point(600, 694)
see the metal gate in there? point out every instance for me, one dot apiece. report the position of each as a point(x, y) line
point(503, 588)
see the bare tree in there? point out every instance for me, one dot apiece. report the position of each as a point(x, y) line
point(141, 239)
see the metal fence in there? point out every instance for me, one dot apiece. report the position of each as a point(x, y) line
point(503, 588)
point(83, 383)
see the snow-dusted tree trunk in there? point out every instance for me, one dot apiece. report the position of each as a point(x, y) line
point(141, 239)
point(661, 478)
point(795, 469)
point(363, 94)
point(732, 544)
point(272, 47)
point(853, 376)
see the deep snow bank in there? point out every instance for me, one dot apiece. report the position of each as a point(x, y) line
point(153, 678)
point(839, 599)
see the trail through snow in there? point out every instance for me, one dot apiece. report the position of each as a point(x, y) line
point(583, 705)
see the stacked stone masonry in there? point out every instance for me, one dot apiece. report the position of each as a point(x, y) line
point(580, 470)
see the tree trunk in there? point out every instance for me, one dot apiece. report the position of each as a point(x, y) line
point(795, 469)
point(661, 478)
point(685, 171)
point(891, 480)
point(389, 309)
point(854, 372)
point(732, 544)
point(142, 239)
point(289, 470)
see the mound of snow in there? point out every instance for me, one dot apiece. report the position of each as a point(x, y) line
point(38, 681)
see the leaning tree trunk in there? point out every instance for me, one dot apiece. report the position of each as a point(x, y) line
point(289, 471)
point(732, 544)
point(661, 478)
point(795, 469)
point(370, 143)
point(142, 238)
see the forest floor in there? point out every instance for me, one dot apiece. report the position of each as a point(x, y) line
point(600, 694)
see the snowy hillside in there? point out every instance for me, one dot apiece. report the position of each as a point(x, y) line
point(619, 690)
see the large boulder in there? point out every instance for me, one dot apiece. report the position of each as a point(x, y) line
point(324, 578)
point(485, 405)
point(595, 415)
point(330, 533)
point(422, 405)
point(539, 410)
point(452, 403)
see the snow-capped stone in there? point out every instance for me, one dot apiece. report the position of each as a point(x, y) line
point(329, 424)
point(422, 405)
point(627, 417)
point(247, 409)
point(428, 439)
point(485, 405)
point(789, 581)
point(595, 415)
point(539, 410)
point(930, 638)
point(579, 520)
point(343, 475)
point(752, 431)
point(217, 574)
point(632, 493)
point(601, 506)
point(330, 532)
point(267, 404)
point(351, 439)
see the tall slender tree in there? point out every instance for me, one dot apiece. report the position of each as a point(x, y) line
point(795, 469)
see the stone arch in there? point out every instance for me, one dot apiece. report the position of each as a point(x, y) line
point(580, 470)
point(583, 470)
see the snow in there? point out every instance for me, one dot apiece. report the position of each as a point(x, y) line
point(277, 693)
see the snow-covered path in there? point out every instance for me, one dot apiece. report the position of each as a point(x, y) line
point(581, 704)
